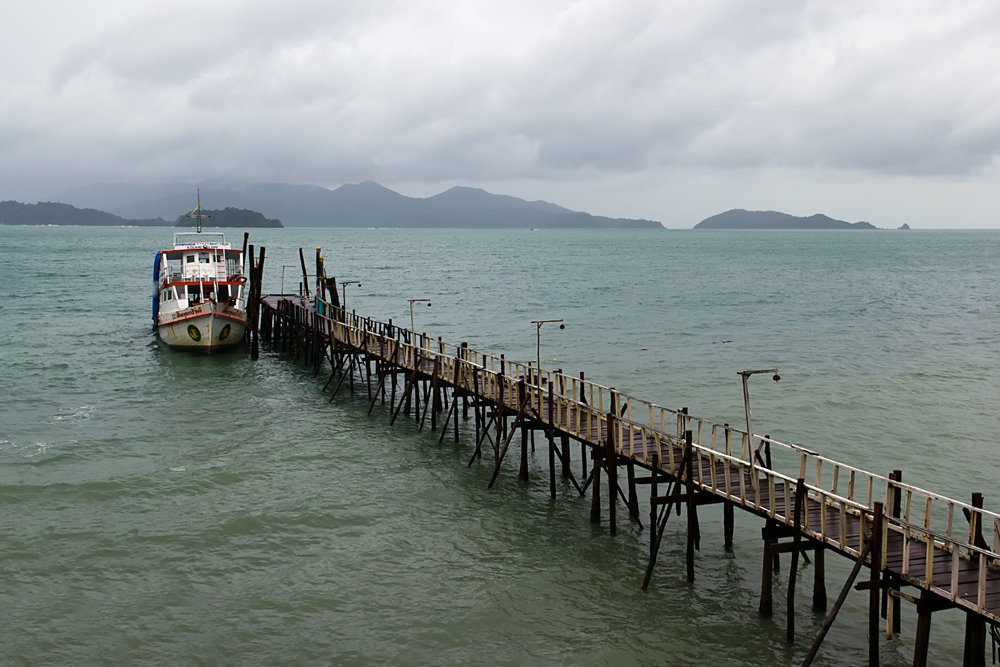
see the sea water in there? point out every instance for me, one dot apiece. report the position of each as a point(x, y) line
point(160, 507)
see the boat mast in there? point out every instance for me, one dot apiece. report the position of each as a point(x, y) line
point(197, 214)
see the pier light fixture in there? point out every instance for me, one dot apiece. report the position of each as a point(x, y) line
point(283, 267)
point(538, 343)
point(413, 301)
point(745, 375)
point(343, 291)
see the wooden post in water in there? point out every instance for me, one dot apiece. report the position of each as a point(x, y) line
point(874, 582)
point(550, 402)
point(891, 603)
point(693, 531)
point(828, 623)
point(521, 397)
point(819, 578)
point(252, 331)
point(766, 606)
point(923, 634)
point(580, 416)
point(305, 274)
point(975, 625)
point(611, 464)
point(800, 498)
point(595, 483)
point(653, 494)
point(728, 520)
point(633, 495)
point(253, 310)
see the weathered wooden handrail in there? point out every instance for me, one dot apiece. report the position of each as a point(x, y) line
point(580, 408)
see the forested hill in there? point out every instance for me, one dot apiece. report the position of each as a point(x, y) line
point(742, 219)
point(54, 213)
point(231, 217)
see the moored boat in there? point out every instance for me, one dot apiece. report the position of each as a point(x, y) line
point(199, 291)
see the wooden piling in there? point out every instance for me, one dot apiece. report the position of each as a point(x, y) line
point(693, 532)
point(611, 465)
point(700, 476)
point(874, 583)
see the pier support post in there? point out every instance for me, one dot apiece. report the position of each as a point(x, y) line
point(653, 494)
point(766, 606)
point(523, 471)
point(564, 444)
point(595, 484)
point(727, 524)
point(975, 625)
point(920, 643)
point(693, 530)
point(874, 592)
point(611, 465)
point(633, 495)
point(819, 579)
point(800, 499)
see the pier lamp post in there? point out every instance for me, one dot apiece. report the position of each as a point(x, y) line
point(413, 301)
point(343, 291)
point(746, 406)
point(538, 343)
point(283, 267)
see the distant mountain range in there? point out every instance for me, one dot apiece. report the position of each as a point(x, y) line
point(742, 219)
point(365, 204)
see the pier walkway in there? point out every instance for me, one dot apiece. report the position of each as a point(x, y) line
point(918, 546)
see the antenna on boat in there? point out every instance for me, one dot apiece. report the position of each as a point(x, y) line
point(197, 214)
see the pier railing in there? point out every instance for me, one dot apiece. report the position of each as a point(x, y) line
point(756, 472)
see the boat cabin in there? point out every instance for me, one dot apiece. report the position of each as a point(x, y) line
point(200, 267)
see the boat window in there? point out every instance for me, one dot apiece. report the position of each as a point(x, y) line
point(194, 292)
point(233, 262)
point(223, 292)
point(180, 291)
point(189, 259)
point(204, 258)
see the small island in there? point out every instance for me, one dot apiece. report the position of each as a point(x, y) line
point(739, 218)
point(231, 217)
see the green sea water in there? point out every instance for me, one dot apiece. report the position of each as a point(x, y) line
point(158, 507)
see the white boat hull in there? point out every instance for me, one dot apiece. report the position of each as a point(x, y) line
point(206, 327)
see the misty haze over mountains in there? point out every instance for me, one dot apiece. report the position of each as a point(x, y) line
point(366, 204)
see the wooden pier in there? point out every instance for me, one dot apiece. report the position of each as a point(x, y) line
point(919, 547)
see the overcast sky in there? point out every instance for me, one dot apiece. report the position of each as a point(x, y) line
point(668, 110)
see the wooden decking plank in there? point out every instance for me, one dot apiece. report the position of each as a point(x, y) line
point(712, 472)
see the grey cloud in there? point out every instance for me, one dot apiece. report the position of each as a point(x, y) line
point(516, 91)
